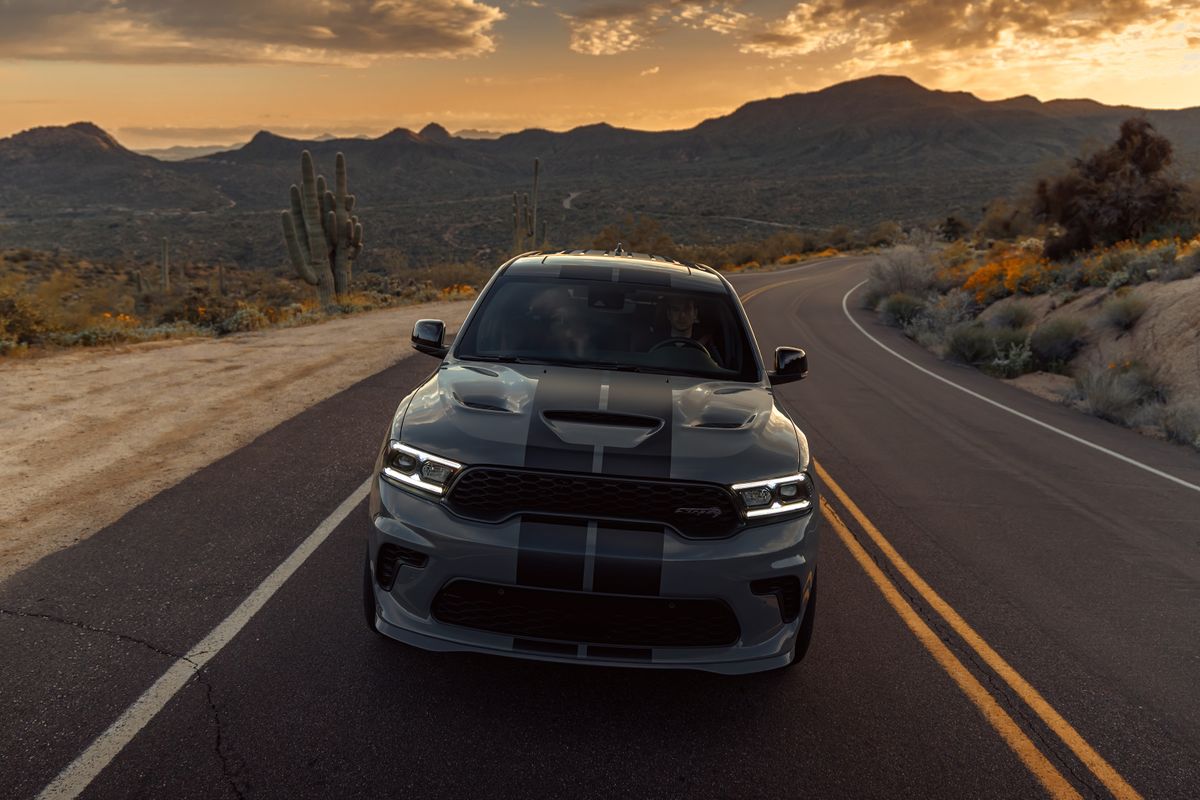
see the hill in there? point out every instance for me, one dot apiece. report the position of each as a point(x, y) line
point(857, 152)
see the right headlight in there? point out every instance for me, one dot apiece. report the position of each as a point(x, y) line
point(409, 467)
point(786, 495)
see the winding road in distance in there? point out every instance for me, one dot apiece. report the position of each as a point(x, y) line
point(1010, 603)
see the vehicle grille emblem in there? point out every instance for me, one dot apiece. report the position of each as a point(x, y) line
point(699, 511)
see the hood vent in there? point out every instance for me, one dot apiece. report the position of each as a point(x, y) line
point(602, 418)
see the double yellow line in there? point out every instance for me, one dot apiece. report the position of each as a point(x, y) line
point(1020, 743)
point(1012, 734)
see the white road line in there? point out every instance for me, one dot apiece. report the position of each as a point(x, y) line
point(84, 769)
point(1120, 457)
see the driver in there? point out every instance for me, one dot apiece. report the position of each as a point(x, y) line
point(682, 317)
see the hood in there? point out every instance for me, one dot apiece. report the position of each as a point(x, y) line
point(596, 421)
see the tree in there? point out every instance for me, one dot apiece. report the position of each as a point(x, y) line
point(1118, 193)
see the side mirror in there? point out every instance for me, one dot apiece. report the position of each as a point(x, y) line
point(791, 364)
point(428, 336)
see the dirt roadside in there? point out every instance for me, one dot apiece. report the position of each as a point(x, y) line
point(86, 435)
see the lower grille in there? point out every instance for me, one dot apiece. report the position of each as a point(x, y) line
point(587, 617)
point(389, 559)
point(786, 591)
point(492, 494)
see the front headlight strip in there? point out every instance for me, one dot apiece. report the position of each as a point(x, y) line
point(786, 495)
point(409, 467)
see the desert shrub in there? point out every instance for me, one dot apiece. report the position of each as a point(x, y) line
point(790, 258)
point(900, 309)
point(1055, 342)
point(1181, 422)
point(991, 349)
point(940, 313)
point(1013, 356)
point(904, 269)
point(1185, 266)
point(247, 318)
point(1004, 219)
point(1119, 393)
point(1122, 312)
point(1013, 270)
point(22, 320)
point(1016, 315)
point(1118, 193)
point(884, 234)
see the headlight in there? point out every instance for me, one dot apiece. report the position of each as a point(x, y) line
point(785, 495)
point(409, 467)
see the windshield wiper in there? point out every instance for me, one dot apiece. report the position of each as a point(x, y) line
point(509, 360)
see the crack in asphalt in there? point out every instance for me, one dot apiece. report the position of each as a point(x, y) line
point(230, 764)
point(83, 626)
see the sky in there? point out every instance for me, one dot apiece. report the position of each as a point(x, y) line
point(157, 73)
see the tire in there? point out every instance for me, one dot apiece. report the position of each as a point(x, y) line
point(369, 596)
point(804, 636)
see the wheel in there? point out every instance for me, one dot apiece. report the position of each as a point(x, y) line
point(804, 636)
point(369, 597)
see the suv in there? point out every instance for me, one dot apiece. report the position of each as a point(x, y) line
point(598, 472)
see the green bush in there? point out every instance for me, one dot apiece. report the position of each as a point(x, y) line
point(904, 269)
point(21, 320)
point(1122, 312)
point(901, 309)
point(1181, 421)
point(1182, 268)
point(998, 351)
point(1014, 315)
point(1055, 342)
point(1118, 393)
point(247, 318)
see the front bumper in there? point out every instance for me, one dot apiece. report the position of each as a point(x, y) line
point(459, 550)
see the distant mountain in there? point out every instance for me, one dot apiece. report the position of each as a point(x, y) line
point(182, 152)
point(856, 152)
point(472, 133)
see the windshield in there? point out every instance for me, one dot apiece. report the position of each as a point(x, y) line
point(610, 325)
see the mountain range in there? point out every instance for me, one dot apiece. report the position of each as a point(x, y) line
point(857, 152)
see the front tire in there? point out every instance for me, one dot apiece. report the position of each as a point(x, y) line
point(804, 635)
point(369, 596)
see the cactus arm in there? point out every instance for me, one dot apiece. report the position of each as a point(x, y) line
point(312, 209)
point(296, 251)
point(357, 241)
point(350, 202)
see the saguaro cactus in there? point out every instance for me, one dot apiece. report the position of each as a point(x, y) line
point(323, 237)
point(164, 269)
point(525, 216)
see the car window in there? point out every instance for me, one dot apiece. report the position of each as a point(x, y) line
point(610, 324)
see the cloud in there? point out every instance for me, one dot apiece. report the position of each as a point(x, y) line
point(650, 71)
point(611, 28)
point(858, 27)
point(245, 31)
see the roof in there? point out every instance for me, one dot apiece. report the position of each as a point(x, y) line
point(629, 267)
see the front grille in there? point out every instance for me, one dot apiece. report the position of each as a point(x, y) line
point(492, 494)
point(586, 617)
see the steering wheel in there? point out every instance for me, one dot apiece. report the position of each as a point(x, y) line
point(679, 341)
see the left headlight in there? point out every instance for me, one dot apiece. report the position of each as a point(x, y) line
point(787, 495)
point(409, 467)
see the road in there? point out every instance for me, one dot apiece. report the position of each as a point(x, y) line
point(1005, 612)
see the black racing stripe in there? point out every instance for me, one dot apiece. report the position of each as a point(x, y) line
point(561, 390)
point(626, 653)
point(628, 558)
point(645, 396)
point(553, 648)
point(550, 553)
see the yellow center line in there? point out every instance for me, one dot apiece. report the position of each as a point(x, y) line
point(1024, 748)
point(1104, 771)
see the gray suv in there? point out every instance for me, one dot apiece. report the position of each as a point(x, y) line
point(598, 472)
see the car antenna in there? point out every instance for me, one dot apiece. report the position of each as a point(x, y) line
point(618, 250)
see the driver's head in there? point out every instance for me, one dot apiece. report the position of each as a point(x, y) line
point(681, 314)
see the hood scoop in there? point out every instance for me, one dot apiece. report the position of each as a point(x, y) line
point(601, 427)
point(730, 422)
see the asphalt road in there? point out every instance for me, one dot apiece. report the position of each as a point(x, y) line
point(1078, 570)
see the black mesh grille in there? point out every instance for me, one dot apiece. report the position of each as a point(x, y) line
point(493, 494)
point(389, 559)
point(586, 617)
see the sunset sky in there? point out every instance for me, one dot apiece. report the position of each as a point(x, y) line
point(162, 72)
